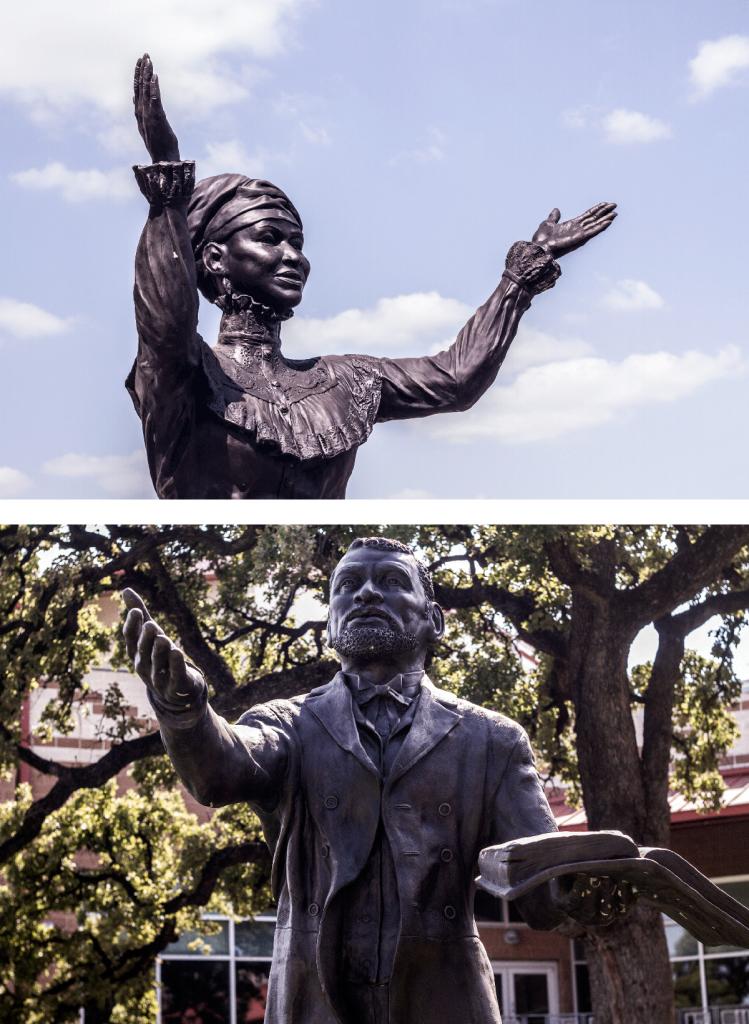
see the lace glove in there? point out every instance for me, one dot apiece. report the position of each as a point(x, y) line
point(531, 267)
point(166, 183)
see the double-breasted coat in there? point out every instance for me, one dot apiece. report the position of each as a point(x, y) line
point(463, 779)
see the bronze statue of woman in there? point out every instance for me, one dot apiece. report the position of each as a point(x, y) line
point(241, 419)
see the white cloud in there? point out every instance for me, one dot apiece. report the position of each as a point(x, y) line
point(13, 483)
point(532, 347)
point(306, 109)
point(78, 186)
point(430, 151)
point(629, 295)
point(122, 476)
point(625, 127)
point(55, 56)
point(24, 320)
point(718, 63)
point(577, 117)
point(408, 324)
point(546, 402)
point(120, 137)
point(411, 494)
point(417, 324)
point(232, 157)
point(316, 135)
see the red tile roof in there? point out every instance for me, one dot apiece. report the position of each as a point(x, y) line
point(734, 803)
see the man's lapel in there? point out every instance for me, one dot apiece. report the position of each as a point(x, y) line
point(332, 706)
point(432, 722)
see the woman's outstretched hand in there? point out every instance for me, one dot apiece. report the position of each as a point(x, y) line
point(560, 237)
point(155, 130)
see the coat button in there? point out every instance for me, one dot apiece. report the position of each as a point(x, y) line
point(313, 910)
point(449, 912)
point(331, 802)
point(446, 855)
point(284, 408)
point(275, 384)
point(445, 809)
point(325, 850)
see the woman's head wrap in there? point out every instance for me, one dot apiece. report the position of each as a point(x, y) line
point(225, 203)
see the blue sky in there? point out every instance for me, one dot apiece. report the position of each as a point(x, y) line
point(419, 140)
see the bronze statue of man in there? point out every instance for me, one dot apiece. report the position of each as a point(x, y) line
point(241, 420)
point(377, 792)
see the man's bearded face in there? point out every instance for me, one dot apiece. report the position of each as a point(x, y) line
point(369, 642)
point(378, 607)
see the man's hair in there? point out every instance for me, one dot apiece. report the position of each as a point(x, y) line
point(387, 544)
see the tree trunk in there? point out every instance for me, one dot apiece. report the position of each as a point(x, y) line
point(630, 974)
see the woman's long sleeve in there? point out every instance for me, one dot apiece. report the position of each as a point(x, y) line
point(162, 382)
point(456, 378)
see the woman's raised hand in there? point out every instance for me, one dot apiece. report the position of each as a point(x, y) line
point(560, 237)
point(155, 130)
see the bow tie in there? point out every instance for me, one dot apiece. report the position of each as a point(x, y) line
point(365, 692)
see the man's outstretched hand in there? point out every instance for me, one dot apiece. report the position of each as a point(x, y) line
point(592, 902)
point(160, 664)
point(559, 237)
point(155, 130)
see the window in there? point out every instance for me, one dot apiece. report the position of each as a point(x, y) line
point(493, 910)
point(704, 976)
point(227, 984)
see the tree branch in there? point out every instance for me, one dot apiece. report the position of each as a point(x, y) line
point(517, 608)
point(71, 779)
point(692, 568)
point(658, 730)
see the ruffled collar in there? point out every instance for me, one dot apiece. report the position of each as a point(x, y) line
point(280, 401)
point(245, 320)
point(313, 409)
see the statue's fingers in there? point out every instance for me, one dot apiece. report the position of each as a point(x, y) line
point(594, 210)
point(147, 69)
point(588, 905)
point(572, 890)
point(131, 631)
point(136, 79)
point(133, 599)
point(155, 90)
point(625, 897)
point(180, 687)
point(554, 216)
point(595, 229)
point(145, 650)
point(160, 664)
point(598, 211)
point(606, 899)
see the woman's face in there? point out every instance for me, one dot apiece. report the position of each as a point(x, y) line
point(265, 260)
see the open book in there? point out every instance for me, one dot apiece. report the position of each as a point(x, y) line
point(660, 877)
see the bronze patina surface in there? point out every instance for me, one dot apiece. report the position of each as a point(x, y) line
point(240, 419)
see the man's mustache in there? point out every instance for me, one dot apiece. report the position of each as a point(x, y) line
point(370, 612)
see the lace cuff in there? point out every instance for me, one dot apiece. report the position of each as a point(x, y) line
point(532, 267)
point(166, 183)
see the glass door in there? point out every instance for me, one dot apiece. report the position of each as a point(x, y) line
point(527, 992)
